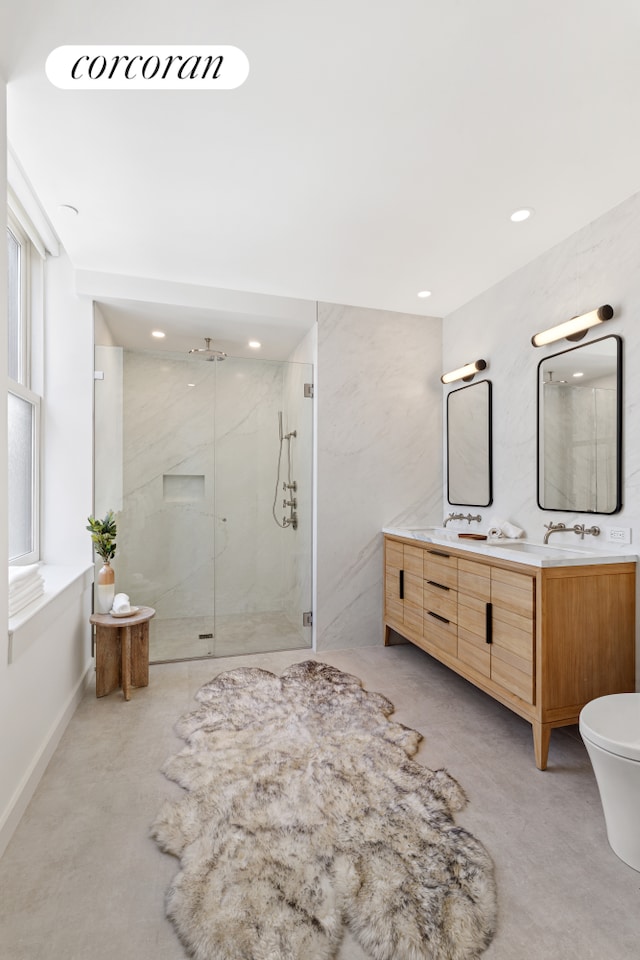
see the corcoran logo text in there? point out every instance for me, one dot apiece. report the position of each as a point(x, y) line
point(147, 67)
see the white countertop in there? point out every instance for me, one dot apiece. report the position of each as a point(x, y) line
point(518, 551)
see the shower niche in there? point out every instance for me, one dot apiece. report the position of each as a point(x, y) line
point(207, 466)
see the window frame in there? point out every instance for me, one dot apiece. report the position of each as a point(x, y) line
point(22, 388)
point(24, 393)
point(26, 252)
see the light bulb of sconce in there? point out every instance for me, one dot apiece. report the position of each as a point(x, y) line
point(575, 328)
point(466, 372)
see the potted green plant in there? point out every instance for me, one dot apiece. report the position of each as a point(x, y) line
point(103, 536)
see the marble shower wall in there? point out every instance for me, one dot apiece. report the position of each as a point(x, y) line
point(598, 264)
point(379, 454)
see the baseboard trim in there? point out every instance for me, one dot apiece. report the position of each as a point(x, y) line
point(26, 788)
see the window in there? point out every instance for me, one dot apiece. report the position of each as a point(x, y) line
point(23, 406)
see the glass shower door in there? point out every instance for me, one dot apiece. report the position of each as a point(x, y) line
point(263, 506)
point(154, 466)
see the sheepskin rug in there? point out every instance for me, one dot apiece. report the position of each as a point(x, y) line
point(304, 812)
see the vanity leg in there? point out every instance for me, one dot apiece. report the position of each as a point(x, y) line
point(541, 738)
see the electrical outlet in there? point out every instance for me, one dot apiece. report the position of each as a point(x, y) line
point(619, 534)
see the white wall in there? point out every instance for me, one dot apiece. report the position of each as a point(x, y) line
point(379, 456)
point(41, 687)
point(599, 264)
point(68, 417)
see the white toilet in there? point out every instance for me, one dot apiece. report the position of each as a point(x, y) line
point(610, 728)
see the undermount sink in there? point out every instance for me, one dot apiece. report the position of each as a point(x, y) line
point(441, 532)
point(537, 549)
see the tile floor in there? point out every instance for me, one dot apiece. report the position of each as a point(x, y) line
point(82, 880)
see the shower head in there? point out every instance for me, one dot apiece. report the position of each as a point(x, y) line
point(554, 383)
point(207, 353)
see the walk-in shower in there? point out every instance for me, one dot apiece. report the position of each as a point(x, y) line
point(193, 492)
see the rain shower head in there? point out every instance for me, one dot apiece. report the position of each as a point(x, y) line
point(554, 383)
point(208, 353)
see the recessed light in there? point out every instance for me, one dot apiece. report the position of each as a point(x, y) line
point(578, 373)
point(255, 344)
point(157, 333)
point(519, 215)
point(191, 384)
point(424, 293)
point(68, 208)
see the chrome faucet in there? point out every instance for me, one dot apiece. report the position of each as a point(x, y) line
point(452, 516)
point(578, 528)
point(461, 516)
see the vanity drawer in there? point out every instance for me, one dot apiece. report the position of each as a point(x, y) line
point(441, 634)
point(440, 568)
point(442, 601)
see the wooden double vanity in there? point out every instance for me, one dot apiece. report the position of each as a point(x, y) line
point(543, 633)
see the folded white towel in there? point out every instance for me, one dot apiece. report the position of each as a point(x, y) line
point(24, 587)
point(19, 575)
point(503, 529)
point(121, 603)
point(19, 603)
point(511, 531)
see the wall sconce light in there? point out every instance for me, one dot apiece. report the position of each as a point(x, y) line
point(467, 372)
point(573, 329)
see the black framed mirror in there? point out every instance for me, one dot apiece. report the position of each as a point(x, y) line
point(469, 456)
point(580, 428)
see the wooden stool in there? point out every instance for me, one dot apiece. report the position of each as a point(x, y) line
point(122, 651)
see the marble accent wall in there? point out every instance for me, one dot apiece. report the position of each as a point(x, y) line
point(379, 456)
point(598, 264)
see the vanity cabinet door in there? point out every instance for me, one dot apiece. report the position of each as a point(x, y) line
point(474, 598)
point(403, 586)
point(496, 625)
point(513, 632)
point(393, 581)
point(413, 588)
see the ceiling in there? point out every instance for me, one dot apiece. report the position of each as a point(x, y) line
point(375, 149)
